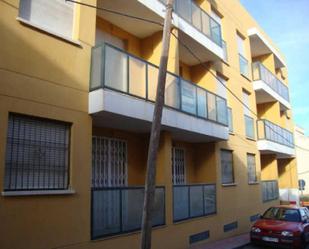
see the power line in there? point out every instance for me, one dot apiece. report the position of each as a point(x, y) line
point(191, 52)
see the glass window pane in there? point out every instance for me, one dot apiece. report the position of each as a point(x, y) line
point(206, 24)
point(137, 77)
point(226, 167)
point(115, 69)
point(188, 97)
point(172, 91)
point(153, 73)
point(230, 119)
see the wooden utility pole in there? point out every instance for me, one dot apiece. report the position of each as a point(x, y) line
point(155, 133)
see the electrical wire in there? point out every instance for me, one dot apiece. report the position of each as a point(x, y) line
point(192, 53)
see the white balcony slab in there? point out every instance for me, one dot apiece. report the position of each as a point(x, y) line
point(264, 94)
point(121, 111)
point(269, 147)
point(260, 45)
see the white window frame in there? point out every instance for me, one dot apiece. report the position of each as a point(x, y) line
point(232, 167)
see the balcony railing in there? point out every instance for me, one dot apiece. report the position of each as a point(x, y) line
point(272, 132)
point(225, 54)
point(117, 70)
point(270, 190)
point(190, 201)
point(119, 210)
point(243, 66)
point(260, 72)
point(198, 18)
point(249, 124)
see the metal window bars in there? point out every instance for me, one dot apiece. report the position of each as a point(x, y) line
point(270, 190)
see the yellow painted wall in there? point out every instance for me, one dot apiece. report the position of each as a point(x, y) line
point(269, 167)
point(45, 76)
point(287, 170)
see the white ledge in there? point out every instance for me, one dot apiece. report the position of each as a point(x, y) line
point(48, 31)
point(229, 184)
point(38, 192)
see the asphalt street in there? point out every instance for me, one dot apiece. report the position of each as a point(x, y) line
point(260, 247)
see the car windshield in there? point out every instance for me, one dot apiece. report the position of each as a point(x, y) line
point(279, 213)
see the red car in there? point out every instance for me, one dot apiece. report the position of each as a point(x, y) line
point(282, 226)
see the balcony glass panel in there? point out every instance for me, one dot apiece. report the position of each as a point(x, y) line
point(137, 77)
point(210, 199)
point(222, 110)
point(188, 97)
point(172, 91)
point(270, 190)
point(198, 18)
point(275, 133)
point(196, 201)
point(193, 201)
point(96, 67)
point(201, 103)
point(119, 210)
point(153, 73)
point(212, 110)
point(116, 69)
point(181, 202)
point(260, 72)
point(183, 8)
point(123, 72)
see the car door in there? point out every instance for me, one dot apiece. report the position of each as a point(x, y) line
point(305, 222)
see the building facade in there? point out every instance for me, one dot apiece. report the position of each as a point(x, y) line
point(302, 154)
point(77, 96)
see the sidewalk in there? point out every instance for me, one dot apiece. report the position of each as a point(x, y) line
point(229, 243)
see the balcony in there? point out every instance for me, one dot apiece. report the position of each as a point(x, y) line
point(197, 27)
point(192, 201)
point(119, 210)
point(268, 87)
point(123, 91)
point(274, 139)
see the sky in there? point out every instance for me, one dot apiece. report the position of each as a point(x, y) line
point(287, 24)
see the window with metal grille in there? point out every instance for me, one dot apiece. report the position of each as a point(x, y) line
point(227, 172)
point(251, 168)
point(178, 164)
point(109, 162)
point(37, 154)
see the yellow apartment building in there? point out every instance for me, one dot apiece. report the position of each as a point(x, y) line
point(77, 91)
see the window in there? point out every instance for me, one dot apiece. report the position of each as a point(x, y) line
point(109, 162)
point(221, 89)
point(240, 45)
point(230, 119)
point(178, 164)
point(227, 172)
point(37, 154)
point(243, 62)
point(252, 178)
point(249, 121)
point(55, 16)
